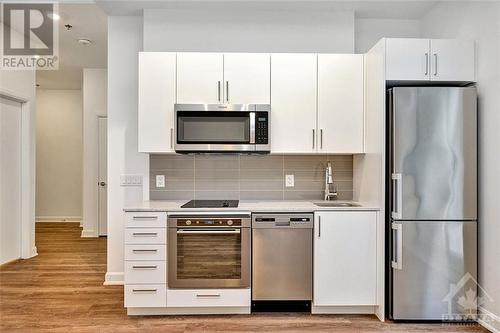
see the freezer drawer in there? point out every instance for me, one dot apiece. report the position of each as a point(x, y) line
point(428, 258)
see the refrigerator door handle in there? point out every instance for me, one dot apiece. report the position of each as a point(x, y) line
point(397, 195)
point(397, 246)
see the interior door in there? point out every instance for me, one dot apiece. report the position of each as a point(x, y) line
point(199, 78)
point(103, 176)
point(407, 59)
point(10, 180)
point(340, 103)
point(452, 60)
point(428, 258)
point(247, 78)
point(293, 95)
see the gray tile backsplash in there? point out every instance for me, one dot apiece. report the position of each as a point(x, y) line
point(247, 177)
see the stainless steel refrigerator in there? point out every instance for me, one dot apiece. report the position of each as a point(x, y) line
point(432, 201)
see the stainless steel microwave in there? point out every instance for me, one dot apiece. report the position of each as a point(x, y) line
point(222, 128)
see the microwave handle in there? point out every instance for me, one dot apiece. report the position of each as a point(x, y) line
point(252, 127)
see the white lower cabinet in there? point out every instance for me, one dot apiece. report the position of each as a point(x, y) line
point(145, 272)
point(345, 257)
point(208, 298)
point(145, 295)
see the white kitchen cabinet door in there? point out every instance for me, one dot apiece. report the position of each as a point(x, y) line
point(340, 103)
point(452, 60)
point(247, 78)
point(199, 78)
point(156, 102)
point(293, 99)
point(345, 258)
point(407, 59)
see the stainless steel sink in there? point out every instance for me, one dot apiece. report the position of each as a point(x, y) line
point(336, 204)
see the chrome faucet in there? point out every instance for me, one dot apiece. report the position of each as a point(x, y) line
point(329, 181)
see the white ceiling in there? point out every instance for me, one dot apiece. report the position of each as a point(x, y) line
point(88, 21)
point(397, 9)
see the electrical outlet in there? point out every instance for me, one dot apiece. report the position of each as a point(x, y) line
point(160, 181)
point(131, 180)
point(289, 180)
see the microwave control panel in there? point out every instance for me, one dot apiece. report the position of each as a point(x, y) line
point(262, 127)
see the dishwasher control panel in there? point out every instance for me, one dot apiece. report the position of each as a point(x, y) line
point(281, 220)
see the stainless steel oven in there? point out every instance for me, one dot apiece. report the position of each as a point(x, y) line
point(209, 250)
point(222, 128)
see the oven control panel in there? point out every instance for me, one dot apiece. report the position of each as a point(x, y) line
point(194, 222)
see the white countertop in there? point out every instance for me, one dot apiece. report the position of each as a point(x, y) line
point(244, 205)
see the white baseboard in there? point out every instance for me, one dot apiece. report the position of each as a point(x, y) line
point(489, 320)
point(114, 279)
point(89, 233)
point(188, 311)
point(348, 309)
point(58, 219)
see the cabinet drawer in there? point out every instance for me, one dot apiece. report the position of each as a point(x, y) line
point(145, 295)
point(145, 236)
point(145, 252)
point(145, 272)
point(145, 219)
point(208, 297)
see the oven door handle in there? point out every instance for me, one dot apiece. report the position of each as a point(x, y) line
point(208, 232)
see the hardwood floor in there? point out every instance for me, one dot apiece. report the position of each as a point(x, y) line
point(61, 290)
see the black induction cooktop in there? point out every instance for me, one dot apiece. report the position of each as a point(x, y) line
point(211, 204)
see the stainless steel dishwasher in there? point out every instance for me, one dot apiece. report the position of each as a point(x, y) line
point(282, 261)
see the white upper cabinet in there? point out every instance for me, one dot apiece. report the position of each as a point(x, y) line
point(293, 96)
point(345, 258)
point(156, 101)
point(407, 59)
point(452, 60)
point(247, 78)
point(340, 103)
point(413, 59)
point(200, 78)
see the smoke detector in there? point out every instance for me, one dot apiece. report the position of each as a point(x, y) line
point(84, 41)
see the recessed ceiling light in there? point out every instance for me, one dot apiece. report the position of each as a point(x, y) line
point(84, 41)
point(54, 16)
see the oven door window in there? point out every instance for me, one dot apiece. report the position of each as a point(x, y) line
point(213, 127)
point(209, 254)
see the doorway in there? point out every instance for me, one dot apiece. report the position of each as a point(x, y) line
point(10, 180)
point(103, 175)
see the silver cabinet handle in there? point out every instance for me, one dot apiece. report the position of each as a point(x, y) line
point(144, 267)
point(397, 195)
point(144, 250)
point(144, 290)
point(435, 64)
point(207, 295)
point(227, 91)
point(208, 232)
point(314, 137)
point(145, 217)
point(144, 233)
point(218, 91)
point(171, 138)
point(321, 138)
point(397, 246)
point(319, 226)
point(426, 63)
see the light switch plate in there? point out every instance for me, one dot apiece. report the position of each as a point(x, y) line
point(160, 180)
point(289, 181)
point(131, 180)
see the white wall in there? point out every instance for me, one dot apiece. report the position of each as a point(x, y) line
point(94, 106)
point(370, 31)
point(249, 30)
point(59, 154)
point(124, 43)
point(22, 84)
point(480, 21)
